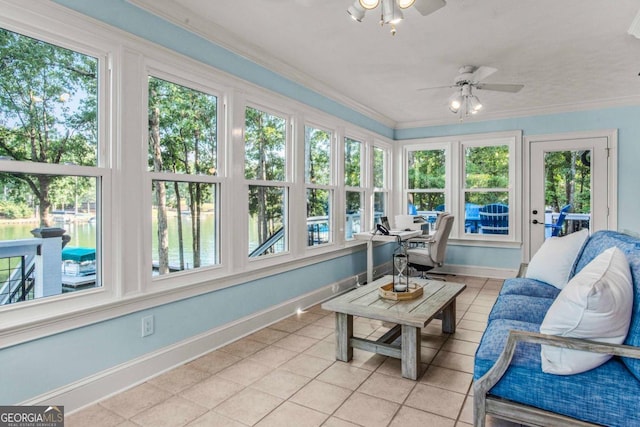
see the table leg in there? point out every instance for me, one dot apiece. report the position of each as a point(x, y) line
point(344, 333)
point(449, 318)
point(410, 352)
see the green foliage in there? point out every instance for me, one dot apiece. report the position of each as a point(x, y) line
point(317, 156)
point(567, 181)
point(378, 167)
point(48, 112)
point(426, 169)
point(12, 210)
point(487, 167)
point(352, 162)
point(265, 143)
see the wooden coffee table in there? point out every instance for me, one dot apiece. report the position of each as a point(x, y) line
point(409, 316)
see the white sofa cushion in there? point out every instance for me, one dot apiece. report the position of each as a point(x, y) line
point(596, 304)
point(554, 261)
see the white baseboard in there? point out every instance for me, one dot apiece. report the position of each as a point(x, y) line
point(101, 385)
point(477, 271)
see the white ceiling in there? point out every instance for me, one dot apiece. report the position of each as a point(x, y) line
point(569, 54)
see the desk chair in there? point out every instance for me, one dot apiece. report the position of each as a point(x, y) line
point(432, 253)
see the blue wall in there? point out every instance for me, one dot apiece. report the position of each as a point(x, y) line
point(91, 349)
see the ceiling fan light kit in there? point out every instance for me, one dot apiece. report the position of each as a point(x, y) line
point(392, 9)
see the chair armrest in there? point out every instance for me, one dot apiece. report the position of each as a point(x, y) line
point(493, 375)
point(419, 241)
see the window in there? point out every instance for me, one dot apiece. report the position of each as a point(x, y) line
point(486, 189)
point(50, 174)
point(183, 161)
point(380, 184)
point(472, 176)
point(426, 182)
point(318, 180)
point(265, 169)
point(354, 191)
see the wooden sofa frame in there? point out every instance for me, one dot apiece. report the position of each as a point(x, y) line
point(500, 408)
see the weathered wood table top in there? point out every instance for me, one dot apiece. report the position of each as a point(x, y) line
point(366, 302)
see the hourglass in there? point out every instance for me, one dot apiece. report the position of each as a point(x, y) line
point(400, 279)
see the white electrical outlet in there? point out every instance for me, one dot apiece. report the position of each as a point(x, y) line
point(147, 326)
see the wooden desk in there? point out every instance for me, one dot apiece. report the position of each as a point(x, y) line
point(377, 237)
point(409, 316)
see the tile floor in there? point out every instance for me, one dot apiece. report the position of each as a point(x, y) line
point(287, 375)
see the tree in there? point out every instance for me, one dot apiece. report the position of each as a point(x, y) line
point(48, 110)
point(265, 161)
point(182, 140)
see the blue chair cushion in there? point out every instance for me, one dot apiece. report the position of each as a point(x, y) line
point(606, 395)
point(531, 287)
point(520, 307)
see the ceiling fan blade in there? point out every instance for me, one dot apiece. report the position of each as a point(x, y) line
point(436, 87)
point(425, 7)
point(482, 73)
point(499, 87)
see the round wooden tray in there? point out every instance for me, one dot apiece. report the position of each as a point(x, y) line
point(386, 291)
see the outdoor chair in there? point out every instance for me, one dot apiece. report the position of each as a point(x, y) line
point(494, 219)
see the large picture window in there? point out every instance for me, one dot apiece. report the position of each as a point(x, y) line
point(50, 178)
point(353, 181)
point(183, 160)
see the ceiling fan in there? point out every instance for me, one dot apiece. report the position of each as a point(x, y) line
point(470, 77)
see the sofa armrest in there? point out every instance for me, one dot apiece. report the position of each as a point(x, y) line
point(482, 386)
point(493, 375)
point(522, 271)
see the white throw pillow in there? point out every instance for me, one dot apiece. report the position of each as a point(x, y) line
point(596, 305)
point(556, 257)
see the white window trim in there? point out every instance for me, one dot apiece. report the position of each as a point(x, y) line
point(454, 191)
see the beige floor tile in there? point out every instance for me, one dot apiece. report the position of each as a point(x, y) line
point(367, 410)
point(482, 309)
point(328, 321)
point(473, 325)
point(461, 347)
point(387, 387)
point(272, 356)
point(94, 416)
point(135, 400)
point(411, 417)
point(268, 335)
point(280, 383)
point(288, 325)
point(291, 415)
point(243, 347)
point(321, 396)
point(344, 375)
point(391, 366)
point(214, 362)
point(213, 419)
point(337, 422)
point(466, 415)
point(212, 391)
point(448, 379)
point(323, 349)
point(305, 365)
point(436, 400)
point(297, 343)
point(249, 406)
point(432, 341)
point(244, 372)
point(175, 411)
point(307, 317)
point(455, 361)
point(314, 331)
point(427, 354)
point(477, 317)
point(467, 335)
point(366, 360)
point(179, 378)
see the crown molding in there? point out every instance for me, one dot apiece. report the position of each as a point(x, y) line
point(538, 111)
point(171, 12)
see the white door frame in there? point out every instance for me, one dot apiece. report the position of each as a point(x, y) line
point(612, 177)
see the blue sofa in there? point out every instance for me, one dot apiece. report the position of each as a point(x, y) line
point(508, 379)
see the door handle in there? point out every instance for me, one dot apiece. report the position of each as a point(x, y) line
point(535, 221)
